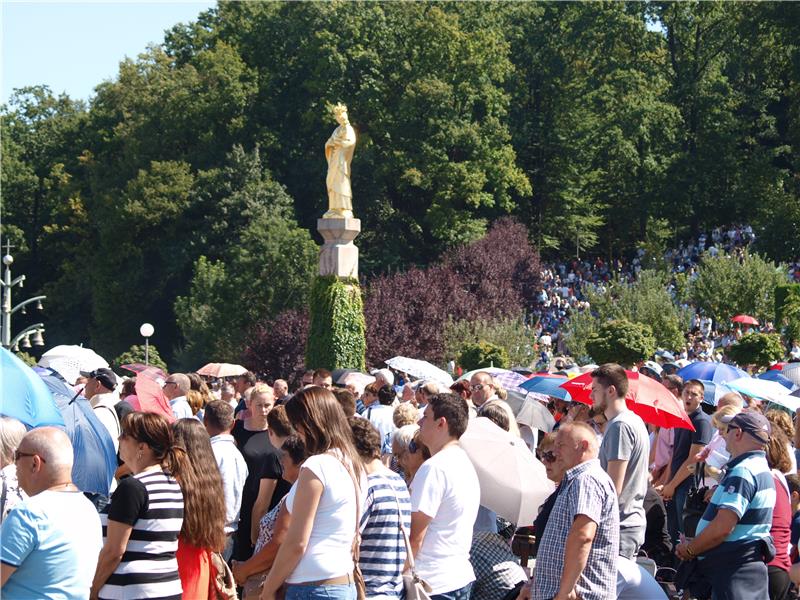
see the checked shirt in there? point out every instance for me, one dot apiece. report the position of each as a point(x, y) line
point(585, 490)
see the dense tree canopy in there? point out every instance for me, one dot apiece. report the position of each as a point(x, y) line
point(183, 193)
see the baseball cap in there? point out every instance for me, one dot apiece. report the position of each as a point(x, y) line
point(104, 376)
point(750, 422)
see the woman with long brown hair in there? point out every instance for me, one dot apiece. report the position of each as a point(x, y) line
point(145, 516)
point(203, 528)
point(316, 558)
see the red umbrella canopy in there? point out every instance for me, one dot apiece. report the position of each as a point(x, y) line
point(654, 403)
point(745, 319)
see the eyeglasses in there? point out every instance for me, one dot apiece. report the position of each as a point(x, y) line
point(477, 386)
point(546, 456)
point(413, 447)
point(18, 454)
point(166, 383)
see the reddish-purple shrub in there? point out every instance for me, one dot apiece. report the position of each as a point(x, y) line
point(276, 347)
point(492, 278)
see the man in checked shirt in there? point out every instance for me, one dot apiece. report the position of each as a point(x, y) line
point(583, 525)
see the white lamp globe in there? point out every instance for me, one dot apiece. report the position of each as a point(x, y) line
point(146, 330)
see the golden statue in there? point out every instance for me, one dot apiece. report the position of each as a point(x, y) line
point(339, 153)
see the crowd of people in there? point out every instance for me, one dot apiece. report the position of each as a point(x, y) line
point(333, 491)
point(565, 286)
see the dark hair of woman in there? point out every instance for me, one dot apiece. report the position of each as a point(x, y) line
point(294, 447)
point(155, 431)
point(778, 451)
point(319, 419)
point(366, 438)
point(278, 422)
point(201, 484)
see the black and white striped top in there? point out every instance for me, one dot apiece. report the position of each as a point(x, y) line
point(152, 503)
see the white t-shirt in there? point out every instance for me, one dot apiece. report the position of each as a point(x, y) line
point(446, 488)
point(330, 548)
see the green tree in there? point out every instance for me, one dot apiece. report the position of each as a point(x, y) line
point(136, 354)
point(727, 285)
point(622, 342)
point(483, 354)
point(758, 349)
point(646, 301)
point(512, 335)
point(336, 337)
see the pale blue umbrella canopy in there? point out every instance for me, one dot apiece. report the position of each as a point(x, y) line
point(23, 395)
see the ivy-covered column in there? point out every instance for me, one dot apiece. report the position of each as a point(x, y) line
point(337, 333)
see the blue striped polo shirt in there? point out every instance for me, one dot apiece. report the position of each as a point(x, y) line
point(748, 490)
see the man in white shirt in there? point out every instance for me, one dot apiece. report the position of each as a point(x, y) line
point(175, 389)
point(445, 495)
point(101, 392)
point(219, 421)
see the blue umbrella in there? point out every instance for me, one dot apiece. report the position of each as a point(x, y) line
point(547, 386)
point(713, 392)
point(711, 371)
point(778, 378)
point(95, 458)
point(23, 395)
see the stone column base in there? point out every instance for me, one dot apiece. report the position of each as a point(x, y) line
point(339, 256)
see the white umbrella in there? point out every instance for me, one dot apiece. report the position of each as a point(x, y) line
point(535, 415)
point(69, 361)
point(221, 370)
point(513, 482)
point(770, 391)
point(421, 369)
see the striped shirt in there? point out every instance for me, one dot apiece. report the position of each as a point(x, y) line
point(152, 503)
point(383, 550)
point(748, 490)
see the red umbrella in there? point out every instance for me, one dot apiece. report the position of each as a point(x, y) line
point(777, 366)
point(745, 320)
point(646, 397)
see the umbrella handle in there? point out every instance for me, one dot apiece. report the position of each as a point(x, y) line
point(78, 393)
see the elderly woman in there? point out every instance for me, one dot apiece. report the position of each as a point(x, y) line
point(408, 450)
point(11, 434)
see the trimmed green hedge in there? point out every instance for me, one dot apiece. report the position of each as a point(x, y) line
point(337, 332)
point(483, 355)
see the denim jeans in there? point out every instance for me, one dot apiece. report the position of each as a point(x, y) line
point(459, 594)
point(675, 509)
point(342, 591)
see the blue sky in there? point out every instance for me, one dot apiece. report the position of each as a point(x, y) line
point(73, 46)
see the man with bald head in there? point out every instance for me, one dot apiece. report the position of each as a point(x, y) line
point(176, 387)
point(483, 389)
point(49, 543)
point(730, 399)
point(583, 525)
point(281, 389)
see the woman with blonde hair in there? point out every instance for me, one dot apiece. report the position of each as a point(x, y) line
point(319, 554)
point(203, 530)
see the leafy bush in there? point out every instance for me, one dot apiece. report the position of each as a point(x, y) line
point(481, 355)
point(510, 334)
point(727, 285)
point(276, 347)
point(645, 301)
point(787, 311)
point(622, 342)
point(135, 354)
point(336, 331)
point(759, 349)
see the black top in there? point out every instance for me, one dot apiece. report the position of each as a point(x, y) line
point(682, 443)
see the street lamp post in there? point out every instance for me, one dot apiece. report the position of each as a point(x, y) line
point(146, 330)
point(7, 309)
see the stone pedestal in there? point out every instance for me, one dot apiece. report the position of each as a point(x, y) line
point(339, 255)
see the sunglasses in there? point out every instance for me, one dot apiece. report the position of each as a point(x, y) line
point(547, 456)
point(413, 447)
point(18, 455)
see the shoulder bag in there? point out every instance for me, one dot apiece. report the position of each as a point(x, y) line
point(415, 588)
